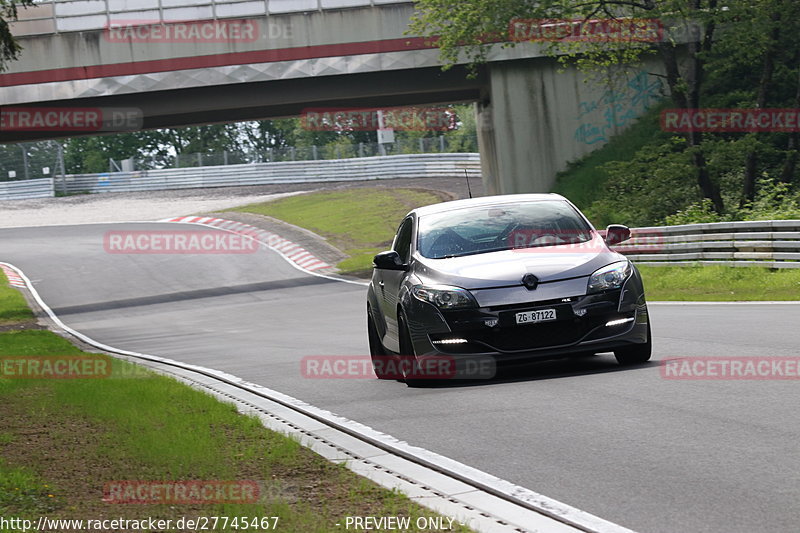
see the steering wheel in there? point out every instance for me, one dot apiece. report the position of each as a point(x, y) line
point(503, 235)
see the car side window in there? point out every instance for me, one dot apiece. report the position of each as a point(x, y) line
point(402, 243)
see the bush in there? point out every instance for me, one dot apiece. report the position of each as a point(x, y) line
point(657, 185)
point(653, 184)
point(774, 201)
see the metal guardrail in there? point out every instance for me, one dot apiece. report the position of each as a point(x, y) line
point(17, 190)
point(55, 16)
point(766, 243)
point(366, 168)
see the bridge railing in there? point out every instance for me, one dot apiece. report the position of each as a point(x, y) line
point(767, 243)
point(55, 16)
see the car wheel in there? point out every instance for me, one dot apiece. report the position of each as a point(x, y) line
point(408, 357)
point(376, 350)
point(638, 353)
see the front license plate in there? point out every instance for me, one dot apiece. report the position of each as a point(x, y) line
point(532, 317)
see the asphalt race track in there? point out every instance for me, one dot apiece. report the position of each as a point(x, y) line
point(652, 454)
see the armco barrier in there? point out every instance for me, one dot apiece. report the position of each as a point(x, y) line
point(767, 243)
point(17, 190)
point(364, 168)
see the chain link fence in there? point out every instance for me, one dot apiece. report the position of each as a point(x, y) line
point(45, 159)
point(422, 145)
point(28, 161)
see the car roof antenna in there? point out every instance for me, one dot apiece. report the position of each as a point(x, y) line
point(466, 175)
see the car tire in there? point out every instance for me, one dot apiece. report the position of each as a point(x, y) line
point(376, 350)
point(407, 353)
point(637, 353)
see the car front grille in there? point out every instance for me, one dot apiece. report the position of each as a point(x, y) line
point(495, 329)
point(533, 336)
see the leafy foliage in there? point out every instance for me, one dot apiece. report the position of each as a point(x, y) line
point(737, 53)
point(9, 47)
point(649, 187)
point(774, 201)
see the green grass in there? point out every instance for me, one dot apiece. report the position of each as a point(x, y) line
point(13, 308)
point(361, 222)
point(720, 283)
point(63, 439)
point(23, 491)
point(582, 182)
point(36, 342)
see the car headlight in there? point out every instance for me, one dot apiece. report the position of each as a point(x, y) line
point(444, 296)
point(609, 277)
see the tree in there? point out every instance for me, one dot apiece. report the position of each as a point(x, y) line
point(264, 135)
point(9, 47)
point(83, 155)
point(759, 50)
point(469, 27)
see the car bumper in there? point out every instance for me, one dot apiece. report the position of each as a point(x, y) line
point(583, 324)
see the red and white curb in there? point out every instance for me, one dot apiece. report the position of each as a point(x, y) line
point(14, 279)
point(291, 251)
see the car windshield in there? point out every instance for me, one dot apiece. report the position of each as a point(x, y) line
point(492, 228)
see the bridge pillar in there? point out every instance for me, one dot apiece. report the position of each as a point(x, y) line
point(534, 120)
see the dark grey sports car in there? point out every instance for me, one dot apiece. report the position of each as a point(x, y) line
point(502, 278)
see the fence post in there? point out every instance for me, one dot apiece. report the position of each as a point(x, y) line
point(314, 152)
point(360, 149)
point(441, 143)
point(61, 168)
point(25, 160)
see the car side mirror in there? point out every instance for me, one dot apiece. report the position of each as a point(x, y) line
point(617, 233)
point(389, 261)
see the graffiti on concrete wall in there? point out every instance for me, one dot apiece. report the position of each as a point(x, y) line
point(616, 108)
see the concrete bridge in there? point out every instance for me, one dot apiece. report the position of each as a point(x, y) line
point(185, 62)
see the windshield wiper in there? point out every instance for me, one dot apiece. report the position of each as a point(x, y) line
point(474, 252)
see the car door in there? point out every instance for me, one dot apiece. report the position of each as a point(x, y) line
point(390, 281)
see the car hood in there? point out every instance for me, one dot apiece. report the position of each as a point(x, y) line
point(506, 268)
